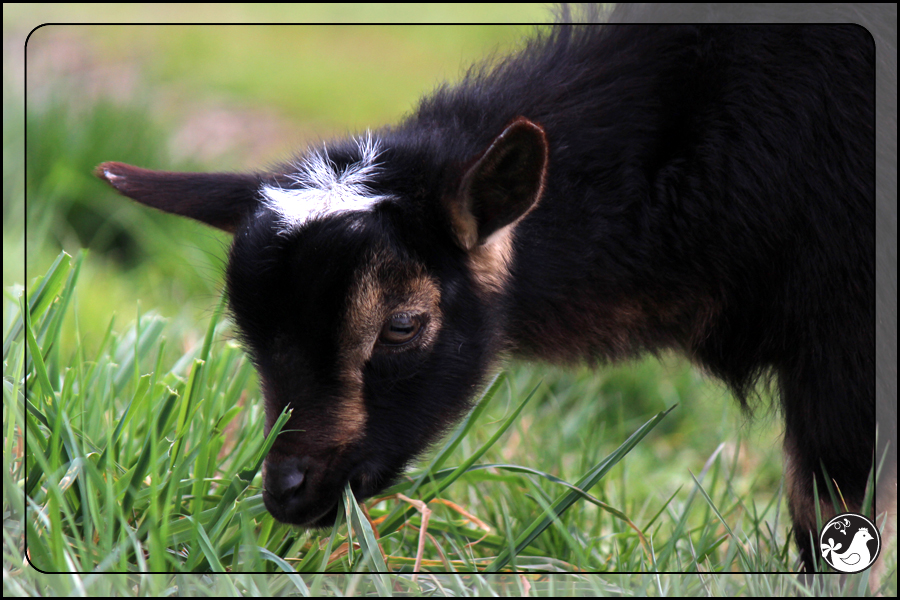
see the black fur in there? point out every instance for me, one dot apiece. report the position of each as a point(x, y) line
point(708, 188)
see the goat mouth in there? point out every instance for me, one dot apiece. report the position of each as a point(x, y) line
point(319, 512)
point(326, 520)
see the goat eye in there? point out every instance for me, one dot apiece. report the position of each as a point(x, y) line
point(400, 329)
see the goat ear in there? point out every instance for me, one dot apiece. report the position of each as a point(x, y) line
point(217, 199)
point(502, 185)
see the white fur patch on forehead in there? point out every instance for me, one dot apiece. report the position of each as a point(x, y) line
point(324, 188)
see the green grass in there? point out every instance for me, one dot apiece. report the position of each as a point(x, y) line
point(144, 418)
point(132, 464)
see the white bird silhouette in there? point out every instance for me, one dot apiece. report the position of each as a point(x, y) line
point(854, 557)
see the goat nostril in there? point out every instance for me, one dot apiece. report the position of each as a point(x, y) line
point(284, 479)
point(292, 481)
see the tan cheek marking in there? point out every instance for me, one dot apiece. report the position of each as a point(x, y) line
point(363, 317)
point(383, 288)
point(351, 417)
point(490, 262)
point(365, 314)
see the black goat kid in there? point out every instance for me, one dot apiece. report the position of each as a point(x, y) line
point(607, 191)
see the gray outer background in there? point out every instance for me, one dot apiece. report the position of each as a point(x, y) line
point(881, 21)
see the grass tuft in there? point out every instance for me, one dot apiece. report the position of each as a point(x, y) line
point(129, 466)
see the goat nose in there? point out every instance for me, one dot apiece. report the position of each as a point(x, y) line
point(285, 478)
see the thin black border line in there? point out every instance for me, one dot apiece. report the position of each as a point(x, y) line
point(416, 24)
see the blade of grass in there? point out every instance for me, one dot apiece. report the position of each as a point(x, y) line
point(458, 436)
point(663, 556)
point(204, 545)
point(391, 525)
point(141, 467)
point(568, 499)
point(371, 552)
point(136, 400)
point(43, 379)
point(185, 410)
point(248, 474)
point(52, 326)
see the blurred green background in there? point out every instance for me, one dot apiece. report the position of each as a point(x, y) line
point(232, 97)
point(221, 97)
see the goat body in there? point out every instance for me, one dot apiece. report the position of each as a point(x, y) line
point(605, 192)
